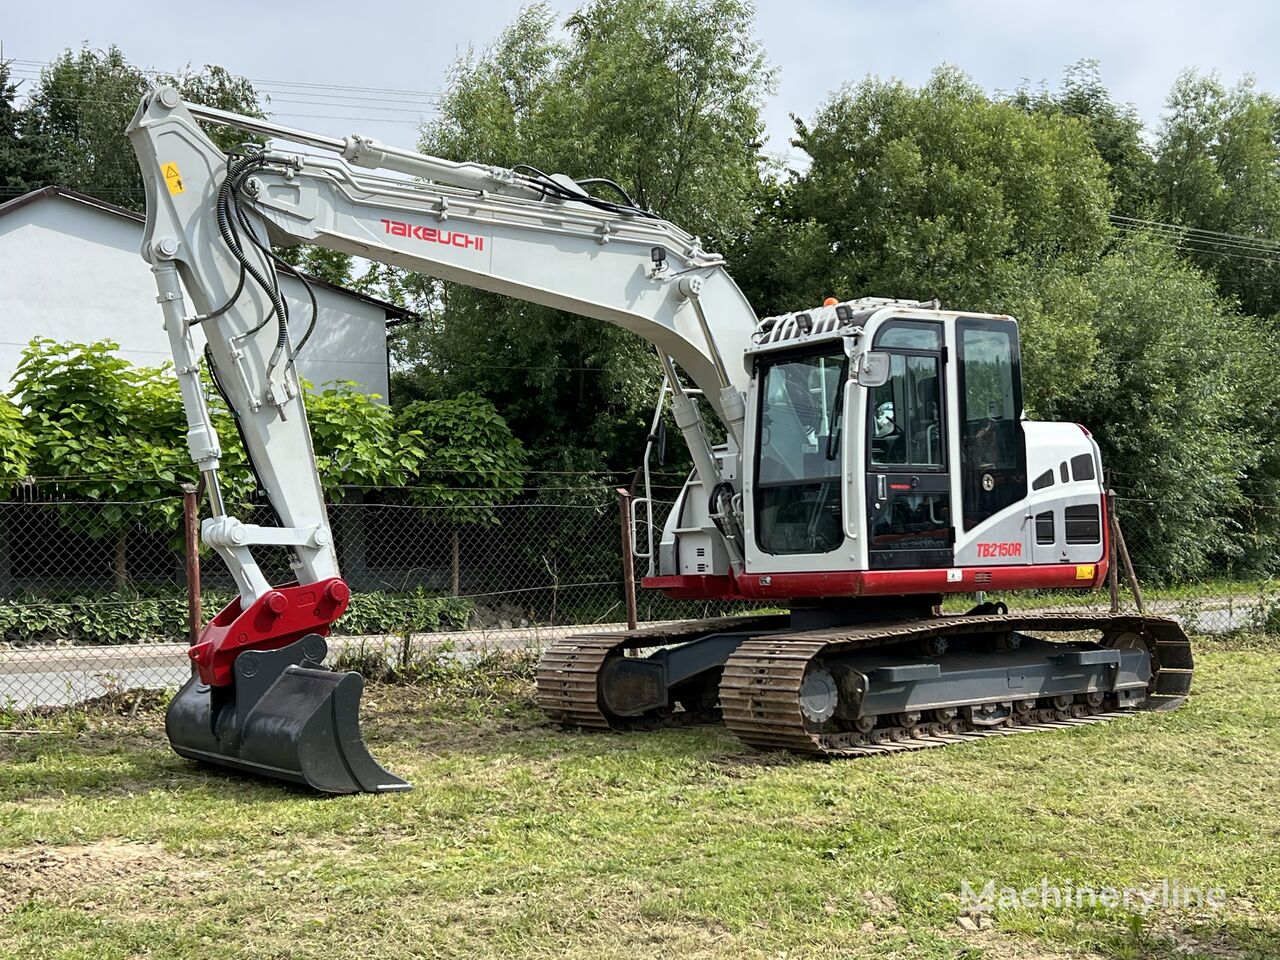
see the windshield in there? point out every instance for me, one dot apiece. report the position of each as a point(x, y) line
point(798, 460)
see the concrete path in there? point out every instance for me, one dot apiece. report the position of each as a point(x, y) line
point(59, 676)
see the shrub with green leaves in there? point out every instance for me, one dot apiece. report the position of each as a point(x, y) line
point(15, 442)
point(357, 440)
point(110, 432)
point(132, 617)
point(470, 461)
point(399, 613)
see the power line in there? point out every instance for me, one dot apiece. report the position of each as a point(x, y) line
point(435, 94)
point(1218, 233)
point(1195, 240)
point(1196, 243)
point(1161, 240)
point(341, 101)
point(281, 113)
point(342, 97)
point(1180, 234)
point(326, 116)
point(1200, 245)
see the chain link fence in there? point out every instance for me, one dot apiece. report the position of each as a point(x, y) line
point(94, 598)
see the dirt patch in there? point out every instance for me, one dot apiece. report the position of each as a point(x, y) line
point(880, 904)
point(1204, 933)
point(64, 873)
point(994, 946)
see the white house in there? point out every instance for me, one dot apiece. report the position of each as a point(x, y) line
point(70, 270)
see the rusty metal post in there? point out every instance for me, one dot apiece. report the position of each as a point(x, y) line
point(1129, 571)
point(1130, 574)
point(1113, 569)
point(191, 541)
point(628, 557)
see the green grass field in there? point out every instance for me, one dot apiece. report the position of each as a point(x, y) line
point(519, 840)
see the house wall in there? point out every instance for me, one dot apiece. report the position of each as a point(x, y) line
point(72, 272)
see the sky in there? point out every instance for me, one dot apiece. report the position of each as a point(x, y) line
point(312, 57)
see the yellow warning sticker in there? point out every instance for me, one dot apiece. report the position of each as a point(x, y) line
point(1085, 571)
point(173, 178)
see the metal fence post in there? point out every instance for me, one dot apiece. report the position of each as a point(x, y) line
point(191, 540)
point(628, 558)
point(1128, 565)
point(1113, 571)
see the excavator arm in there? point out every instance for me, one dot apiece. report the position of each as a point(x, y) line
point(212, 223)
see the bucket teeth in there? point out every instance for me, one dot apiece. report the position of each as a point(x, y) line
point(300, 724)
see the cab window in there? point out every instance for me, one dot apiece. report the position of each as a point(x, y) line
point(798, 489)
point(992, 449)
point(906, 414)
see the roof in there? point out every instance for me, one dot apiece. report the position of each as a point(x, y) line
point(399, 314)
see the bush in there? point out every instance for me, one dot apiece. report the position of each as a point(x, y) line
point(416, 612)
point(133, 618)
point(118, 618)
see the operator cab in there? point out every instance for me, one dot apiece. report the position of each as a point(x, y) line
point(885, 450)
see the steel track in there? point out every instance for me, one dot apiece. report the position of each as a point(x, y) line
point(568, 672)
point(760, 684)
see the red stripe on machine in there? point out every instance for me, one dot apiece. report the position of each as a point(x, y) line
point(877, 583)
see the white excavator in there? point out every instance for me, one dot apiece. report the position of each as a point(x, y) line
point(875, 458)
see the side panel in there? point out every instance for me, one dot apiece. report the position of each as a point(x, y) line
point(1060, 519)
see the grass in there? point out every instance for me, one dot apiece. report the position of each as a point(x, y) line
point(519, 840)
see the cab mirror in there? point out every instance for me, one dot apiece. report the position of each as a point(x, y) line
point(874, 371)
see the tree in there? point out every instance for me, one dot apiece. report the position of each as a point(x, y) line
point(331, 266)
point(83, 101)
point(941, 192)
point(663, 97)
point(215, 86)
point(781, 258)
point(27, 161)
point(470, 462)
point(1116, 131)
point(81, 105)
point(1215, 173)
point(112, 433)
point(1003, 206)
point(1168, 408)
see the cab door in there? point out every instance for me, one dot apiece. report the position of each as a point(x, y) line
point(909, 518)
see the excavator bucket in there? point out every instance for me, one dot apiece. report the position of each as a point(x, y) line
point(284, 717)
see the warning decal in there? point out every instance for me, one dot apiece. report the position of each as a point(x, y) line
point(173, 178)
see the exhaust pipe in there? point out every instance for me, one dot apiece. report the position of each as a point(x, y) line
point(283, 716)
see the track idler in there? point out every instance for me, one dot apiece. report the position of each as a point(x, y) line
point(283, 716)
